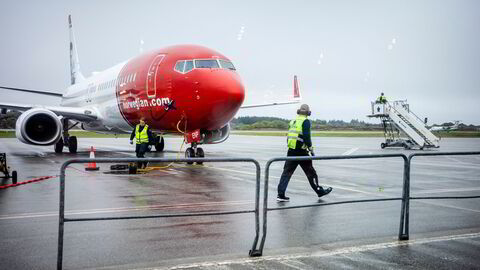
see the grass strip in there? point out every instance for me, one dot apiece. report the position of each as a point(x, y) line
point(330, 133)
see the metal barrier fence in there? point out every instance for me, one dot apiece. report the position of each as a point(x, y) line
point(404, 227)
point(267, 173)
point(405, 198)
point(62, 218)
point(405, 206)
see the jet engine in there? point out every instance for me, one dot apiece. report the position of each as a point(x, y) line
point(38, 126)
point(216, 136)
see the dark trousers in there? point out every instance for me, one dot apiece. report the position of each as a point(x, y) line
point(140, 149)
point(291, 165)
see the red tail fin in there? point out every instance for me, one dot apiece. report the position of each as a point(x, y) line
point(296, 91)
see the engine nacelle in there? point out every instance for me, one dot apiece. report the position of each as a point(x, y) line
point(216, 136)
point(38, 126)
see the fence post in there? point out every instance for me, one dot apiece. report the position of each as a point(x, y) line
point(61, 216)
point(265, 206)
point(254, 251)
point(404, 216)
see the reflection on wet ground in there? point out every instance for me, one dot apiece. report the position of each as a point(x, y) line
point(29, 214)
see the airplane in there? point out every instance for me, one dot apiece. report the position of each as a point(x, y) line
point(189, 90)
point(446, 128)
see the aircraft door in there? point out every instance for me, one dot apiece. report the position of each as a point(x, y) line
point(89, 93)
point(152, 74)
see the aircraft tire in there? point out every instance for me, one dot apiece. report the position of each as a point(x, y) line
point(382, 145)
point(189, 153)
point(200, 154)
point(160, 144)
point(59, 146)
point(14, 177)
point(72, 144)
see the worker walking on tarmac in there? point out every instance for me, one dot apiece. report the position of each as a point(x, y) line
point(381, 99)
point(143, 135)
point(300, 144)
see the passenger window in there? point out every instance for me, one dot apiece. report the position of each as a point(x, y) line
point(179, 66)
point(134, 75)
point(188, 66)
point(206, 63)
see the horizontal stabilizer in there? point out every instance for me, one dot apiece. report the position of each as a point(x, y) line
point(296, 98)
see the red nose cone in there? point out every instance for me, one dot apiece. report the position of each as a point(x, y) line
point(220, 94)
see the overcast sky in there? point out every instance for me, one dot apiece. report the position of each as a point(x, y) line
point(344, 52)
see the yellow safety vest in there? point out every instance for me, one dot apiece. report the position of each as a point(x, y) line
point(141, 137)
point(381, 99)
point(294, 132)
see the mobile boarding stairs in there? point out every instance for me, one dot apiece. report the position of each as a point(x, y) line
point(402, 127)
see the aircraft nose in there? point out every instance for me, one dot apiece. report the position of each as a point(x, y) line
point(221, 93)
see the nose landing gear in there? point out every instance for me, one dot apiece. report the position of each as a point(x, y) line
point(193, 152)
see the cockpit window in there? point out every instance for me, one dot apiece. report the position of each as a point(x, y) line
point(226, 64)
point(179, 66)
point(206, 63)
point(188, 66)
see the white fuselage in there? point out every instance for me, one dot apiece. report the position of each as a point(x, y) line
point(98, 93)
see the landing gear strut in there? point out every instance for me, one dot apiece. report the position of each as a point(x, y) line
point(193, 152)
point(159, 143)
point(66, 139)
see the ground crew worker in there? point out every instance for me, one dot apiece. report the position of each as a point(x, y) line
point(300, 144)
point(381, 99)
point(143, 135)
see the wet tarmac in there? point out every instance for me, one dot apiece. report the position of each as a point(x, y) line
point(443, 233)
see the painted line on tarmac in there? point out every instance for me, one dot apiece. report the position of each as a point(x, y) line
point(459, 161)
point(445, 190)
point(287, 259)
point(126, 209)
point(350, 189)
point(450, 206)
point(298, 178)
point(444, 164)
point(351, 151)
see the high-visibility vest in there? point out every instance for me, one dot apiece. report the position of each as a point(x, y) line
point(381, 99)
point(141, 137)
point(295, 132)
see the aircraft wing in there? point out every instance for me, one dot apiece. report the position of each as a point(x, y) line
point(296, 98)
point(32, 91)
point(74, 113)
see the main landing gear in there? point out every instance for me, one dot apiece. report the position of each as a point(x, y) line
point(66, 139)
point(159, 143)
point(194, 152)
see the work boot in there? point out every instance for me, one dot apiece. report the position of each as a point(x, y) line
point(282, 198)
point(322, 192)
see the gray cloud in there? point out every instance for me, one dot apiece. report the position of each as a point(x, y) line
point(344, 52)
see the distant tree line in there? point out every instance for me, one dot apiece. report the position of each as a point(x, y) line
point(258, 122)
point(7, 121)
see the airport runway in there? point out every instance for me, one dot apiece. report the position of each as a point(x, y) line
point(444, 233)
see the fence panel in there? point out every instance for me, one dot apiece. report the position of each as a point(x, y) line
point(62, 218)
point(406, 179)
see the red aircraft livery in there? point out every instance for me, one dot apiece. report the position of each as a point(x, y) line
point(186, 89)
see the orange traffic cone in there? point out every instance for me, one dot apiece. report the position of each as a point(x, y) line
point(92, 166)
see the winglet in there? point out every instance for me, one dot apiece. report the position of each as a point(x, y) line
point(296, 90)
point(75, 73)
